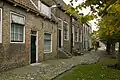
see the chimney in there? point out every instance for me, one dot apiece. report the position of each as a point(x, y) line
point(39, 5)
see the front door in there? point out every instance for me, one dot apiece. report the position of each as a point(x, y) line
point(33, 48)
point(59, 39)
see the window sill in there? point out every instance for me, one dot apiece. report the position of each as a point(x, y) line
point(17, 42)
point(76, 41)
point(66, 39)
point(47, 52)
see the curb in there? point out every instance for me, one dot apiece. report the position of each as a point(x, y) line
point(64, 72)
point(72, 68)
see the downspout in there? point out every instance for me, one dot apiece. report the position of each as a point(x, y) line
point(34, 4)
point(71, 35)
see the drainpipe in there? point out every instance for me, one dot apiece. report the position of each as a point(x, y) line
point(71, 41)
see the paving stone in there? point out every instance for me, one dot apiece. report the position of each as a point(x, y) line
point(51, 68)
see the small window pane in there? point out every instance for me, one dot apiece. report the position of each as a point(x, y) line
point(16, 36)
point(47, 36)
point(17, 32)
point(47, 42)
point(21, 37)
point(66, 31)
point(21, 30)
point(16, 28)
point(12, 29)
point(12, 36)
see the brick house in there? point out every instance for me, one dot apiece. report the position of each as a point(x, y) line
point(32, 31)
point(27, 34)
point(69, 31)
point(86, 39)
point(77, 35)
point(64, 30)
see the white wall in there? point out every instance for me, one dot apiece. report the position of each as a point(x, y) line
point(0, 25)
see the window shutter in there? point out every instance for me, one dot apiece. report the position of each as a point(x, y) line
point(18, 19)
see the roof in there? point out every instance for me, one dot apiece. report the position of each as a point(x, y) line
point(48, 2)
point(59, 3)
point(28, 5)
point(24, 3)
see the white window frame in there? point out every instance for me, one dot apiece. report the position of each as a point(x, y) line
point(80, 35)
point(1, 27)
point(11, 25)
point(77, 35)
point(68, 30)
point(61, 31)
point(51, 43)
point(73, 35)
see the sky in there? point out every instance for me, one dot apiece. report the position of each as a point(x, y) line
point(85, 11)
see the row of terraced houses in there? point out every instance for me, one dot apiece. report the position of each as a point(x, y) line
point(32, 31)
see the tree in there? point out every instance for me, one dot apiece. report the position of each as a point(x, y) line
point(95, 39)
point(109, 11)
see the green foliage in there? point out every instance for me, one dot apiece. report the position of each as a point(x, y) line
point(108, 10)
point(70, 10)
point(95, 37)
point(109, 24)
point(86, 18)
point(93, 72)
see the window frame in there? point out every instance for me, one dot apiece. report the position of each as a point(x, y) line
point(77, 36)
point(67, 31)
point(51, 43)
point(1, 25)
point(61, 31)
point(17, 14)
point(61, 23)
point(73, 31)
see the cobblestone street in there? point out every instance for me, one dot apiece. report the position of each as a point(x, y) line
point(48, 70)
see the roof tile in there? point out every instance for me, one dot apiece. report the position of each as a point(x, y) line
point(25, 3)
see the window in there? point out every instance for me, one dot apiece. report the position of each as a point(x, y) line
point(0, 25)
point(73, 34)
point(17, 28)
point(44, 9)
point(80, 36)
point(60, 23)
point(66, 31)
point(47, 43)
point(77, 35)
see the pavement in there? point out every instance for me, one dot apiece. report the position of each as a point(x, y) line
point(50, 69)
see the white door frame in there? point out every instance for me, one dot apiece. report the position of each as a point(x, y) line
point(61, 32)
point(61, 37)
point(36, 46)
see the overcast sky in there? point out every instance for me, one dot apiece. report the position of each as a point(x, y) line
point(85, 11)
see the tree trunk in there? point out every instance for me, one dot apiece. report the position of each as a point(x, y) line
point(108, 47)
point(113, 48)
point(118, 57)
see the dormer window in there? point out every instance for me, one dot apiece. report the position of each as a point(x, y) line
point(44, 9)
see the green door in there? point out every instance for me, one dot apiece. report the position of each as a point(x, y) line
point(33, 49)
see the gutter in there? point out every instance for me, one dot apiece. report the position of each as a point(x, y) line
point(41, 13)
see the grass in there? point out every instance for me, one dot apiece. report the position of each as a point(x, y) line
point(97, 71)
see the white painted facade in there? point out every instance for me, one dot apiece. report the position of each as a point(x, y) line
point(0, 25)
